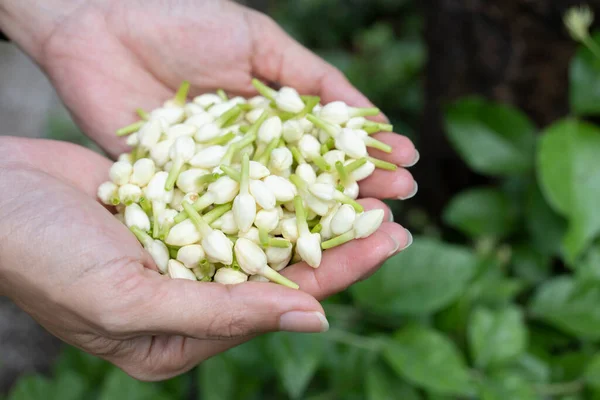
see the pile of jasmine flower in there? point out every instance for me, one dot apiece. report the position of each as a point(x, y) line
point(233, 189)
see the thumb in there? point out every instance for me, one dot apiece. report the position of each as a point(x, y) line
point(205, 310)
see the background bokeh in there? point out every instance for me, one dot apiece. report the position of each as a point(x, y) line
point(498, 297)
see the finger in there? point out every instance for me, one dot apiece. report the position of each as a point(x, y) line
point(214, 311)
point(279, 58)
point(384, 184)
point(70, 163)
point(403, 152)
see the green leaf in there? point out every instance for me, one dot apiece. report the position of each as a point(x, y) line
point(569, 176)
point(382, 385)
point(588, 270)
point(592, 372)
point(91, 367)
point(496, 337)
point(481, 212)
point(296, 357)
point(584, 85)
point(118, 385)
point(425, 278)
point(530, 265)
point(69, 386)
point(545, 227)
point(562, 303)
point(507, 385)
point(430, 360)
point(532, 368)
point(493, 139)
point(31, 387)
point(217, 378)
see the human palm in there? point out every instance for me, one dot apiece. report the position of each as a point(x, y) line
point(107, 58)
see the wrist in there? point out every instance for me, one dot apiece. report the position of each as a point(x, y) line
point(30, 23)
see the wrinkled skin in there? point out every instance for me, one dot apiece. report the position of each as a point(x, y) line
point(70, 264)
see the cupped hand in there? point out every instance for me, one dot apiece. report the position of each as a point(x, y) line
point(80, 273)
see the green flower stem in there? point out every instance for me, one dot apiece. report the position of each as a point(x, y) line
point(298, 182)
point(354, 165)
point(342, 172)
point(313, 222)
point(338, 240)
point(278, 242)
point(228, 117)
point(340, 187)
point(286, 115)
point(301, 217)
point(114, 200)
point(383, 164)
point(245, 107)
point(231, 172)
point(155, 224)
point(248, 138)
point(142, 236)
point(372, 127)
point(297, 155)
point(324, 149)
point(257, 124)
point(244, 128)
point(172, 252)
point(142, 114)
point(204, 201)
point(377, 144)
point(317, 228)
point(208, 178)
point(197, 220)
point(276, 277)
point(266, 154)
point(330, 129)
point(592, 46)
point(182, 93)
point(321, 163)
point(263, 236)
point(221, 93)
point(264, 89)
point(310, 103)
point(174, 173)
point(245, 175)
point(364, 112)
point(129, 129)
point(221, 139)
point(146, 205)
point(341, 197)
point(164, 231)
point(217, 212)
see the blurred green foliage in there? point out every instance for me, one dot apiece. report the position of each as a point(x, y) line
point(511, 313)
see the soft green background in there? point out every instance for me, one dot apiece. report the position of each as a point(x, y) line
point(509, 310)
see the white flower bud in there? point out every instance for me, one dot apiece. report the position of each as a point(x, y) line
point(120, 172)
point(183, 233)
point(288, 99)
point(187, 181)
point(180, 130)
point(319, 206)
point(219, 109)
point(292, 131)
point(120, 217)
point(309, 248)
point(258, 278)
point(190, 198)
point(135, 216)
point(192, 109)
point(351, 143)
point(252, 234)
point(155, 191)
point(208, 157)
point(306, 125)
point(172, 115)
point(367, 223)
point(253, 115)
point(262, 194)
point(323, 191)
point(333, 156)
point(250, 256)
point(218, 248)
point(207, 132)
point(224, 189)
point(277, 256)
point(160, 152)
point(244, 211)
point(269, 130)
point(267, 219)
point(362, 172)
point(166, 216)
point(310, 147)
point(107, 191)
point(306, 173)
point(335, 112)
point(129, 193)
point(259, 102)
point(283, 189)
point(132, 140)
point(281, 159)
point(229, 276)
point(343, 220)
point(143, 170)
point(125, 157)
point(226, 223)
point(149, 134)
point(208, 99)
point(325, 222)
point(191, 255)
point(356, 122)
point(159, 253)
point(199, 120)
point(258, 171)
point(351, 190)
point(178, 271)
point(207, 271)
point(175, 202)
point(183, 148)
point(289, 229)
point(327, 178)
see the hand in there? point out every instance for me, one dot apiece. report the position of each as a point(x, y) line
point(81, 274)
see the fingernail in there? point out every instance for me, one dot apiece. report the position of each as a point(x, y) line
point(390, 215)
point(303, 321)
point(415, 160)
point(411, 194)
point(409, 239)
point(396, 246)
